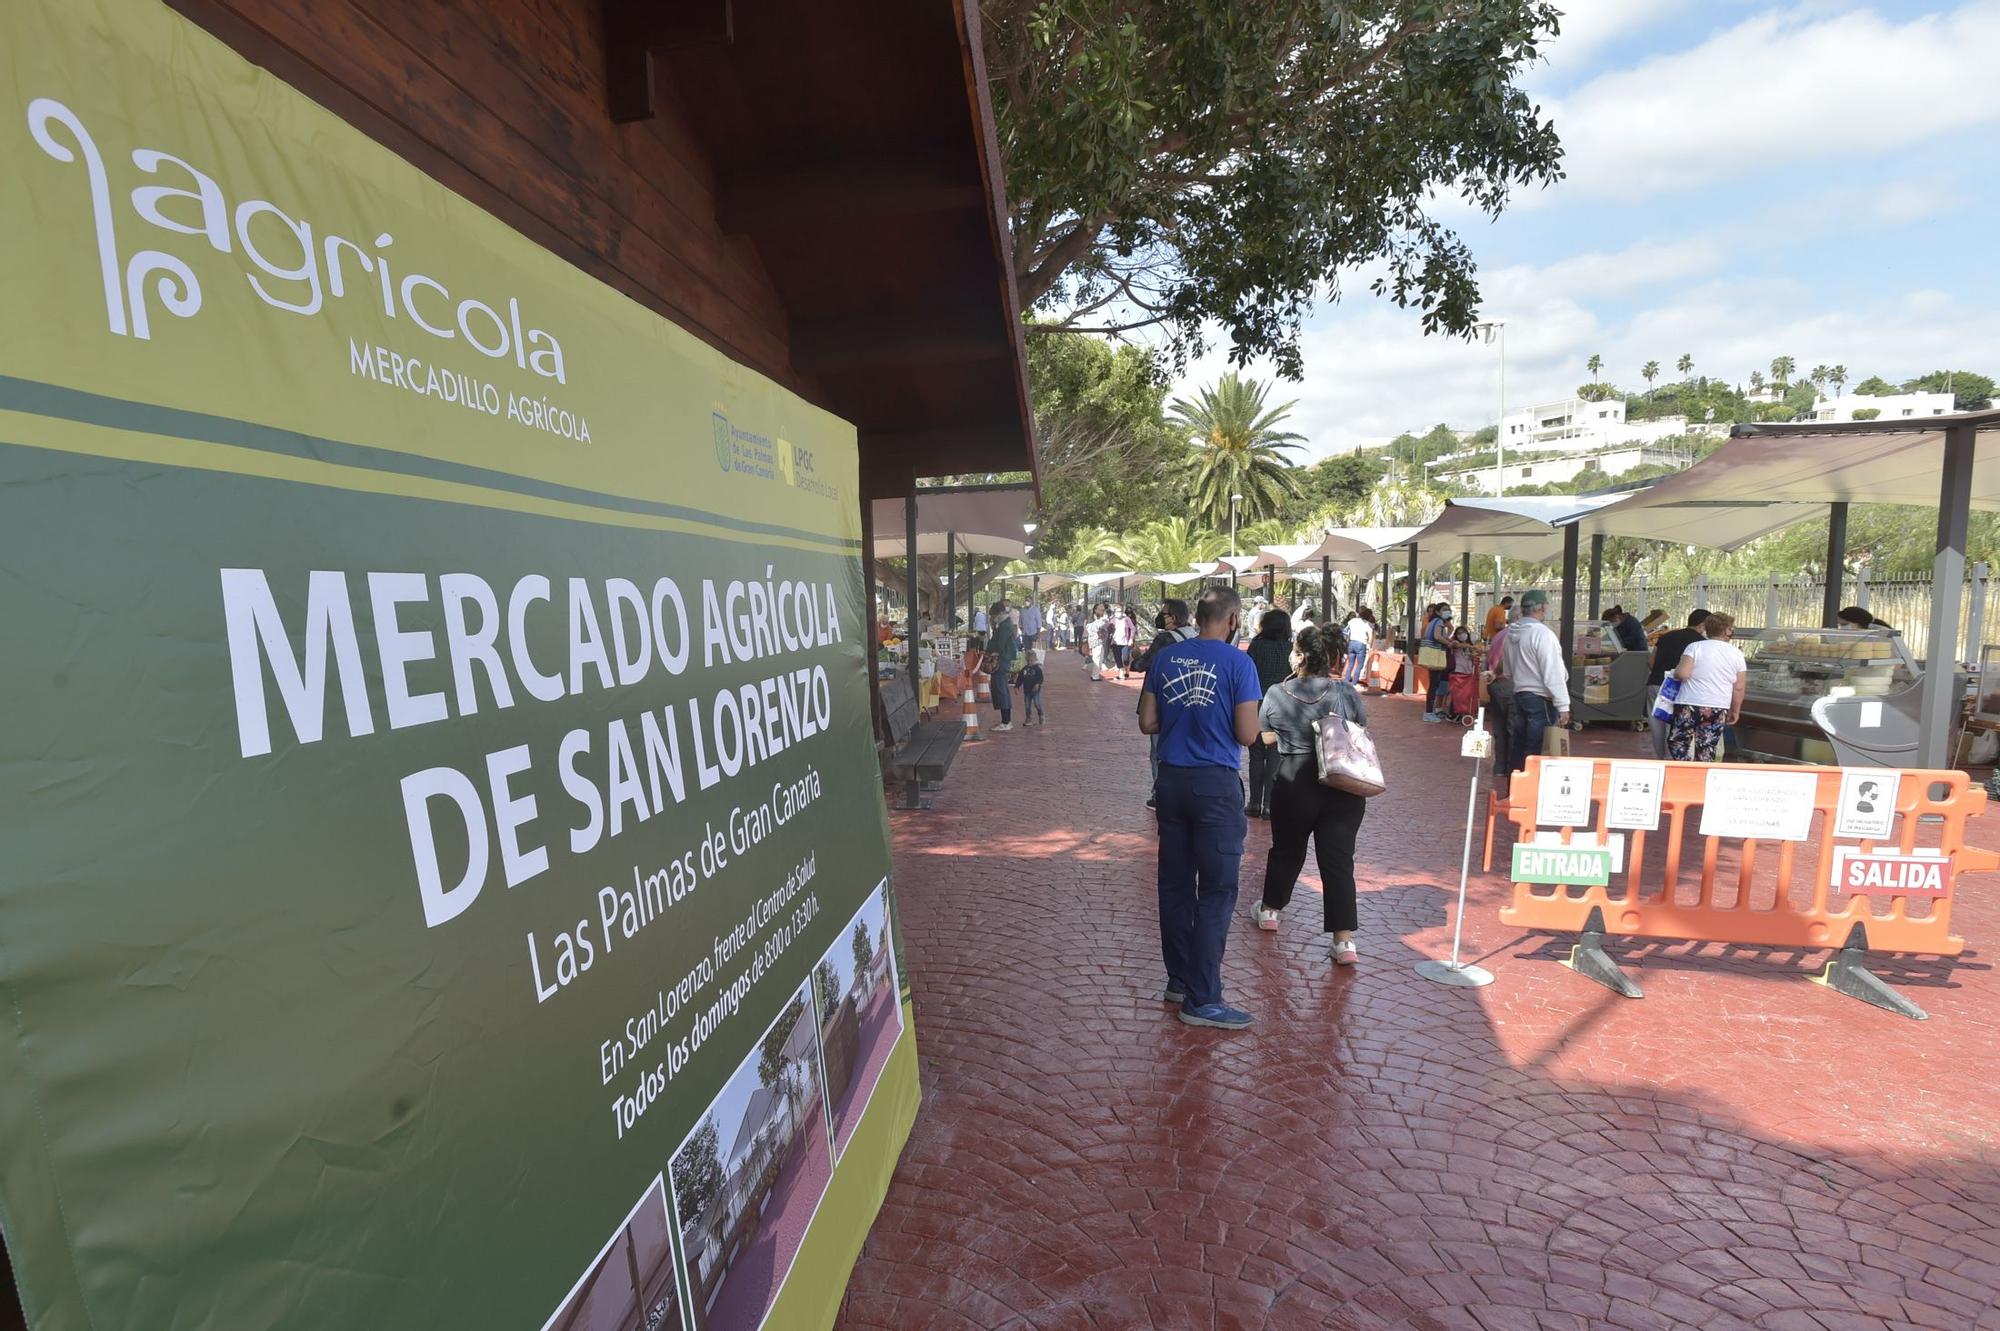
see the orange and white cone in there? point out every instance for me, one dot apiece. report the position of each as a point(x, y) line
point(986, 688)
point(971, 707)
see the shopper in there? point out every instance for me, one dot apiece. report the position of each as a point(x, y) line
point(1123, 629)
point(1170, 628)
point(1031, 690)
point(1500, 709)
point(1099, 633)
point(1498, 617)
point(1360, 638)
point(1271, 653)
point(1031, 624)
point(1666, 658)
point(1535, 664)
point(1201, 699)
point(1301, 807)
point(1005, 649)
point(1713, 674)
point(1437, 634)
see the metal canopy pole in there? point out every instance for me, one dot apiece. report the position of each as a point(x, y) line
point(1597, 575)
point(1465, 588)
point(951, 586)
point(1836, 561)
point(968, 596)
point(1385, 595)
point(1570, 543)
point(1410, 627)
point(910, 580)
point(1325, 590)
point(1940, 700)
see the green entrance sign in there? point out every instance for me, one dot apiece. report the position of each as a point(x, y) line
point(446, 875)
point(1580, 866)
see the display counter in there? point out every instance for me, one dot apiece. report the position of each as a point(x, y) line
point(1846, 697)
point(1607, 684)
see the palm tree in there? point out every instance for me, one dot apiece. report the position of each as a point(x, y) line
point(1756, 381)
point(1649, 372)
point(1166, 545)
point(1236, 448)
point(1838, 376)
point(1781, 371)
point(1595, 365)
point(1685, 364)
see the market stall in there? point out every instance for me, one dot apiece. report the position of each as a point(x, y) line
point(1850, 697)
point(1607, 684)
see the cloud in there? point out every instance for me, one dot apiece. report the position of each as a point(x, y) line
point(1779, 89)
point(1588, 26)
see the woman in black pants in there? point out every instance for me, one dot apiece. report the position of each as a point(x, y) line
point(1301, 807)
point(1271, 653)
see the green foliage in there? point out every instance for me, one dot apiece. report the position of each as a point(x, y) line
point(1107, 451)
point(1781, 370)
point(862, 946)
point(1165, 545)
point(1685, 365)
point(1595, 365)
point(1178, 163)
point(1236, 449)
point(1332, 483)
point(1649, 372)
point(826, 982)
point(698, 1171)
point(1969, 392)
point(1875, 386)
point(1594, 392)
point(772, 1068)
point(1867, 413)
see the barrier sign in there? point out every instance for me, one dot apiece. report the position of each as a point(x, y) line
point(445, 875)
point(1863, 873)
point(1582, 866)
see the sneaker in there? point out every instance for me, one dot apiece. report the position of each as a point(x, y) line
point(1345, 953)
point(1004, 725)
point(1173, 995)
point(1267, 919)
point(1219, 1015)
point(1432, 718)
point(1152, 803)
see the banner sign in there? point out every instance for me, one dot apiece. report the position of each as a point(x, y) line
point(1861, 872)
point(446, 876)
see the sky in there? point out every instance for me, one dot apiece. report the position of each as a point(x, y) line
point(1743, 181)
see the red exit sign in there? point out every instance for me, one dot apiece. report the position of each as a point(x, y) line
point(1890, 873)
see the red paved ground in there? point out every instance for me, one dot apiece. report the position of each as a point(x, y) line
point(759, 1270)
point(880, 1027)
point(1739, 1149)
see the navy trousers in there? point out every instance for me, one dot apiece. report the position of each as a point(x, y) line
point(1201, 854)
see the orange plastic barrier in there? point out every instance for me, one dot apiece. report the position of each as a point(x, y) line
point(1800, 911)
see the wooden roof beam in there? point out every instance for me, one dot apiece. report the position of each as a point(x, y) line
point(865, 187)
point(634, 30)
point(821, 346)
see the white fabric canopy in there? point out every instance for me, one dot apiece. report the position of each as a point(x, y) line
point(996, 511)
point(1526, 527)
point(1046, 579)
point(933, 543)
point(1343, 552)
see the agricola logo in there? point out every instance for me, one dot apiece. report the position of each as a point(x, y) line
point(725, 452)
point(291, 266)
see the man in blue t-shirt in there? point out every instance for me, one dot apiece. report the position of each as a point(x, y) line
point(1201, 699)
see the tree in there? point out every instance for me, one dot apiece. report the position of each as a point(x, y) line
point(1166, 545)
point(1874, 386)
point(1820, 374)
point(1867, 413)
point(1685, 364)
point(1595, 365)
point(1649, 372)
point(1237, 448)
point(698, 1172)
point(826, 982)
point(1781, 370)
point(1838, 376)
point(1969, 392)
point(1107, 451)
point(863, 947)
point(1330, 484)
point(1174, 163)
point(1756, 381)
point(773, 1068)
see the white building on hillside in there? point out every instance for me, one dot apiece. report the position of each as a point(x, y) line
point(1895, 407)
point(1550, 467)
point(1573, 423)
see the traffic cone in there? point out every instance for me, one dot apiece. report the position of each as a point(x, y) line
point(971, 707)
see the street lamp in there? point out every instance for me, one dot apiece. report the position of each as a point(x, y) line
point(1496, 332)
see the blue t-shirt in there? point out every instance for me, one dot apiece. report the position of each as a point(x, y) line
point(1199, 684)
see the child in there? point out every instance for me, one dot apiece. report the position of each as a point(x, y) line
point(1030, 680)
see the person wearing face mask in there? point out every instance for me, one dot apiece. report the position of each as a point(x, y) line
point(1201, 699)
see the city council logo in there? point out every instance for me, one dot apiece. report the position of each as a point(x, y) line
point(725, 452)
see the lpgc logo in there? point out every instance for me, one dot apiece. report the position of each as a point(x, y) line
point(725, 452)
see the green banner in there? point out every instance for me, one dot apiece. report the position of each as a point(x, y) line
point(447, 871)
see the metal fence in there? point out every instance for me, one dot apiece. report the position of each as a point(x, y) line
point(1799, 603)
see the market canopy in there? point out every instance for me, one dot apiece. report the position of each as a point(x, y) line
point(1042, 579)
point(1344, 552)
point(933, 543)
point(967, 510)
point(1525, 527)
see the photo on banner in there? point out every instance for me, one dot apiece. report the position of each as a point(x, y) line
point(633, 1284)
point(855, 992)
